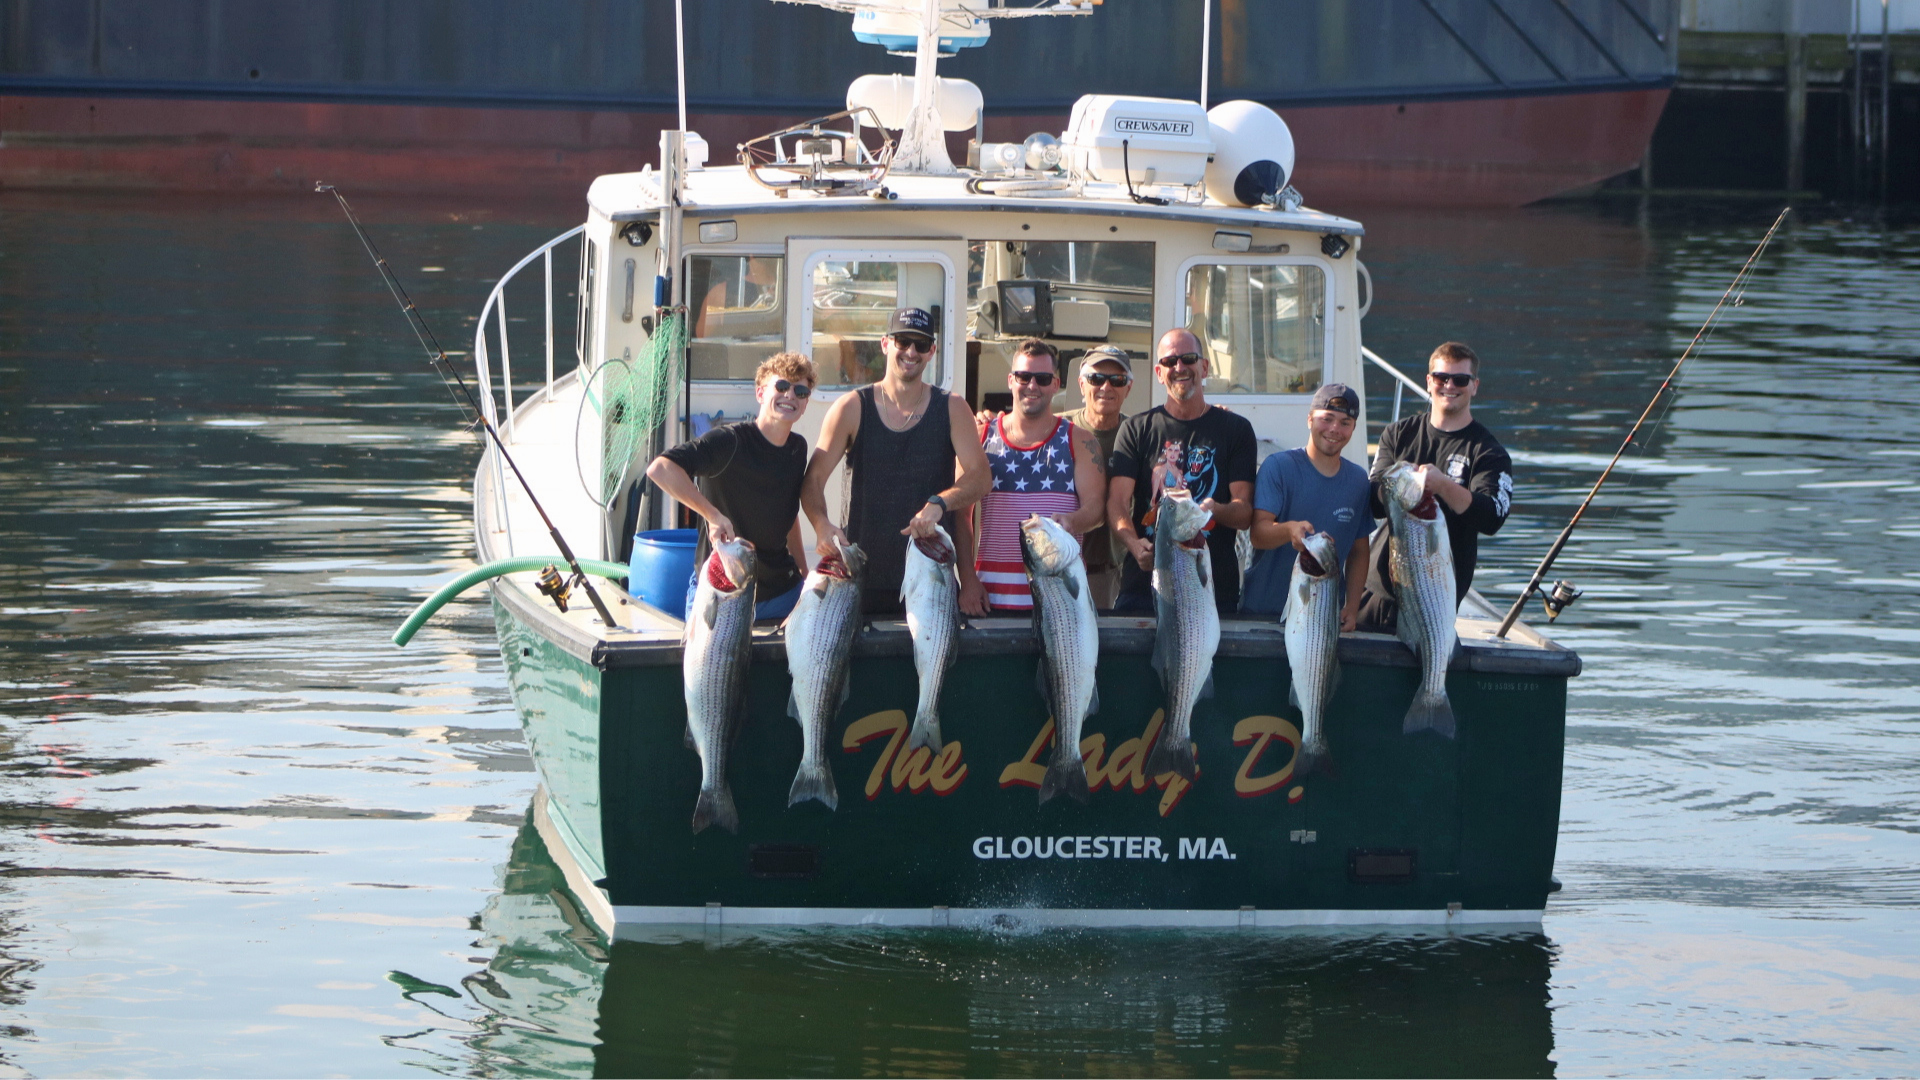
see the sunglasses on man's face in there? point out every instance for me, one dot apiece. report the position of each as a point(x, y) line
point(1097, 379)
point(918, 345)
point(1037, 378)
point(1460, 379)
point(1177, 359)
point(800, 390)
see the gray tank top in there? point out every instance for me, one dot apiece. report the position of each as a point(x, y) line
point(891, 473)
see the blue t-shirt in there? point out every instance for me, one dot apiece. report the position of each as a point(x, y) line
point(1291, 489)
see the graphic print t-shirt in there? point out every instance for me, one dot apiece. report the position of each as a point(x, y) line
point(1205, 456)
point(1472, 458)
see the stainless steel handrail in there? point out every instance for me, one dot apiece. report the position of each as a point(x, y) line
point(1401, 382)
point(496, 306)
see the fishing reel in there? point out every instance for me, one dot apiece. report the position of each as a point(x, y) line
point(1560, 599)
point(552, 585)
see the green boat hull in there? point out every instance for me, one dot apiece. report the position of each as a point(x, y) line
point(1405, 829)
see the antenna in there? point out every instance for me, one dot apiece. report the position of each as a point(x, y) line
point(1206, 48)
point(680, 55)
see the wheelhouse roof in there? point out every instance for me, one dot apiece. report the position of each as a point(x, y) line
point(729, 192)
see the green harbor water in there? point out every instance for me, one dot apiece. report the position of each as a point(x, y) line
point(241, 834)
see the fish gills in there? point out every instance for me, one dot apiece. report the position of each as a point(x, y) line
point(716, 654)
point(1069, 633)
point(1421, 563)
point(1312, 635)
point(819, 649)
point(1187, 626)
point(931, 595)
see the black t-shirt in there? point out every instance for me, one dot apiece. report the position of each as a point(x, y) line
point(1205, 456)
point(1471, 457)
point(757, 485)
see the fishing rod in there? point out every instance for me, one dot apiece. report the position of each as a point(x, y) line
point(437, 356)
point(1563, 592)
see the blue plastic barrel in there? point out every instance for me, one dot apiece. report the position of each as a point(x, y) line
point(662, 562)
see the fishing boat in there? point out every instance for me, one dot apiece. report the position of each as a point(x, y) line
point(1146, 214)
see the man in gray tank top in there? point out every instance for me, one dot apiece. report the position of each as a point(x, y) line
point(912, 456)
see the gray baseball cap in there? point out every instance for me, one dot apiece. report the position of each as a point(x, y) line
point(1112, 354)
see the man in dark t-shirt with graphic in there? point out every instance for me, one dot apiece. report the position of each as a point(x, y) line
point(1185, 443)
point(748, 483)
point(1463, 466)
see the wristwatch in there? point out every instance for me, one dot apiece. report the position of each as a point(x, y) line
point(939, 502)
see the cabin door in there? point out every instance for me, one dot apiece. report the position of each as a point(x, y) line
point(844, 292)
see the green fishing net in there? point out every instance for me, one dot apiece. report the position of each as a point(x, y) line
point(634, 397)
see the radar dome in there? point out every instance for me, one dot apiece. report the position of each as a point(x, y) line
point(1252, 154)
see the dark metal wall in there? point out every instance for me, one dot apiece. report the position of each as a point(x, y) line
point(754, 54)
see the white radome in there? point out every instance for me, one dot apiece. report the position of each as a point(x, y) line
point(1252, 153)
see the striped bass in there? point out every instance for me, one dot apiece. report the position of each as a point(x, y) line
point(1312, 635)
point(1421, 563)
point(1187, 625)
point(716, 653)
point(819, 650)
point(931, 595)
point(1064, 621)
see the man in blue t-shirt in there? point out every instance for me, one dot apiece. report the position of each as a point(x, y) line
point(1310, 490)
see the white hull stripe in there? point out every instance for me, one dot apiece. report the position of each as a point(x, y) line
point(634, 921)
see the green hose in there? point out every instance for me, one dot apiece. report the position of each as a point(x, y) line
point(478, 574)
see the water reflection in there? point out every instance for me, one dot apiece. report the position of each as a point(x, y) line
point(850, 1002)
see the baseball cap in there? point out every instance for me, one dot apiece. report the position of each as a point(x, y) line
point(1339, 397)
point(1109, 353)
point(912, 320)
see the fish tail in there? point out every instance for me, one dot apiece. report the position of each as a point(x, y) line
point(1066, 775)
point(715, 806)
point(814, 781)
point(1314, 760)
point(1430, 713)
point(926, 732)
point(1172, 755)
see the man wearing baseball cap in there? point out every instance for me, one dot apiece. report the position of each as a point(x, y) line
point(1106, 378)
point(1307, 490)
point(912, 457)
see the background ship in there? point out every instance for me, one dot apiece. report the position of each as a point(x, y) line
point(1489, 102)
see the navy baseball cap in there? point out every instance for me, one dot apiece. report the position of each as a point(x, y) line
point(912, 320)
point(1339, 397)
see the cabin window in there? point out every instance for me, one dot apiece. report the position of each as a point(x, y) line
point(582, 333)
point(853, 299)
point(739, 314)
point(1262, 328)
point(1097, 292)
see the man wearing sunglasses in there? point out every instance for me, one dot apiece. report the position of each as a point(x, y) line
point(1042, 464)
point(1189, 444)
point(913, 457)
point(1462, 465)
point(1106, 377)
point(749, 477)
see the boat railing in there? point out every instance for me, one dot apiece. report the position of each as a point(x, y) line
point(1401, 383)
point(496, 308)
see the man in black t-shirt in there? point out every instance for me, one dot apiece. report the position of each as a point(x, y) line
point(748, 486)
point(1463, 466)
point(1189, 444)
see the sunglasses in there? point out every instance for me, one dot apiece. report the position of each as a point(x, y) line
point(1037, 378)
point(918, 345)
point(800, 390)
point(1098, 379)
point(1458, 378)
point(1188, 358)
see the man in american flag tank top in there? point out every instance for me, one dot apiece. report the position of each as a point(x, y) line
point(1042, 464)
